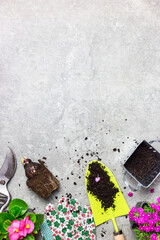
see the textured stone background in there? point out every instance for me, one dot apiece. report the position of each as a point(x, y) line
point(71, 69)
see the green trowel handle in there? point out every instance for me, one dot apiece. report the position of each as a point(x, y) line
point(118, 235)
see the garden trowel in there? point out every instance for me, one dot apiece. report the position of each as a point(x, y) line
point(100, 212)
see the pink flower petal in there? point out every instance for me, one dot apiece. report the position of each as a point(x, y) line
point(21, 237)
point(130, 194)
point(158, 200)
point(14, 236)
point(24, 233)
point(21, 225)
point(97, 179)
point(26, 219)
point(30, 226)
point(10, 229)
point(15, 224)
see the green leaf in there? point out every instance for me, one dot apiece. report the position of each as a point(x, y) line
point(39, 221)
point(23, 216)
point(20, 203)
point(15, 211)
point(32, 217)
point(3, 217)
point(29, 237)
point(6, 224)
point(3, 236)
point(7, 237)
point(35, 231)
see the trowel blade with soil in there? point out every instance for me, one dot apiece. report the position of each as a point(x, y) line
point(120, 205)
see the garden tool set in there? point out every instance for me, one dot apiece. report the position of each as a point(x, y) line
point(68, 220)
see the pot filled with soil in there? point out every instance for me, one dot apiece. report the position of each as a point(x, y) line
point(143, 165)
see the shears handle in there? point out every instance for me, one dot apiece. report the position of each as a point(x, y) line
point(119, 236)
point(4, 195)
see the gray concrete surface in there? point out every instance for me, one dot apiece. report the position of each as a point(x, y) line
point(71, 69)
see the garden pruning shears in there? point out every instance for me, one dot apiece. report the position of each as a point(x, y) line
point(6, 173)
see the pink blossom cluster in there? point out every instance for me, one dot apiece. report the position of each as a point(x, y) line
point(20, 229)
point(147, 221)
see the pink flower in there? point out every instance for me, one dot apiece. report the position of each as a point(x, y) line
point(97, 179)
point(158, 200)
point(140, 228)
point(152, 222)
point(153, 205)
point(13, 230)
point(158, 208)
point(154, 236)
point(152, 190)
point(134, 209)
point(26, 226)
point(157, 229)
point(140, 210)
point(149, 215)
point(156, 216)
point(147, 228)
point(130, 194)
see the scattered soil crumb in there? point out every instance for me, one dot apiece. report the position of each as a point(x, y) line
point(78, 161)
point(68, 195)
point(103, 232)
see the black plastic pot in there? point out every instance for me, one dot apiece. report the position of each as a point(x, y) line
point(138, 205)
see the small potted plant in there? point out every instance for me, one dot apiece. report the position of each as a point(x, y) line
point(145, 220)
point(18, 222)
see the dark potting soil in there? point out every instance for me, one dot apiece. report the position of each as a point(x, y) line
point(143, 162)
point(43, 183)
point(104, 190)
